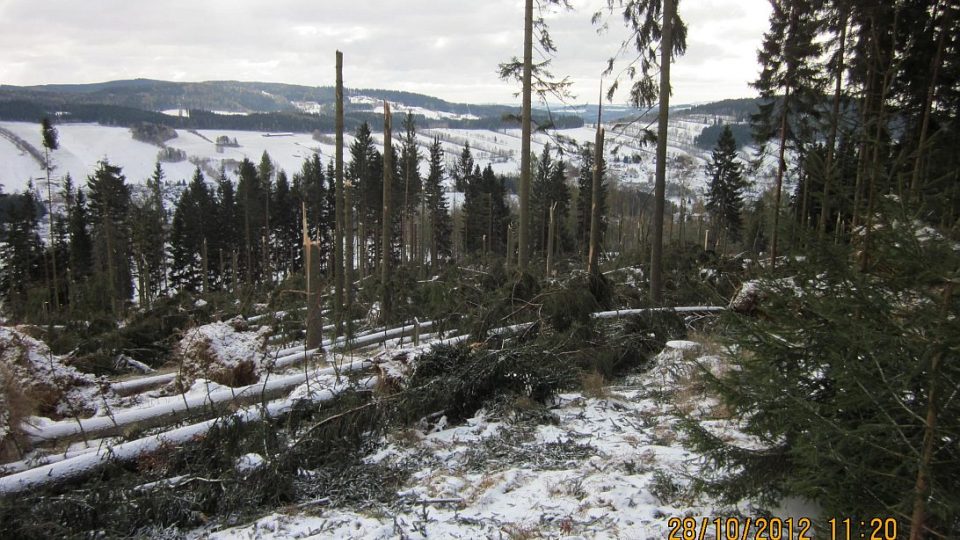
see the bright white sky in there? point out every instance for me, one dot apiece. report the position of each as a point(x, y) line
point(445, 48)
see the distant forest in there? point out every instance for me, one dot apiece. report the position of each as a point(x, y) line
point(114, 115)
point(269, 106)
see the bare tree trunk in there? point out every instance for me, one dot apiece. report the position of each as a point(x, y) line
point(523, 246)
point(922, 486)
point(247, 239)
point(233, 267)
point(53, 246)
point(656, 253)
point(593, 259)
point(339, 267)
point(385, 235)
point(314, 326)
point(204, 267)
point(405, 222)
point(509, 258)
point(551, 232)
point(927, 106)
point(683, 204)
point(832, 138)
point(875, 160)
point(348, 243)
point(781, 168)
point(865, 106)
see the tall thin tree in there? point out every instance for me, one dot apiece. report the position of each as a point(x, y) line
point(387, 225)
point(50, 142)
point(341, 272)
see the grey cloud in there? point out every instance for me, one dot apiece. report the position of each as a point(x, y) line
point(387, 44)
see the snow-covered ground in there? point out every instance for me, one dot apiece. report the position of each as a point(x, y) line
point(608, 465)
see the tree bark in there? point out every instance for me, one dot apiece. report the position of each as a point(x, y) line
point(551, 232)
point(922, 486)
point(781, 168)
point(593, 259)
point(52, 245)
point(927, 106)
point(314, 326)
point(523, 244)
point(339, 267)
point(387, 215)
point(832, 138)
point(656, 252)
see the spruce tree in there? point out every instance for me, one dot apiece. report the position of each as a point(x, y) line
point(317, 195)
point(366, 191)
point(265, 172)
point(286, 243)
point(790, 85)
point(149, 223)
point(540, 200)
point(846, 384)
point(192, 234)
point(251, 205)
point(109, 218)
point(725, 191)
point(228, 229)
point(462, 169)
point(51, 142)
point(21, 252)
point(412, 183)
point(549, 188)
point(436, 206)
point(78, 232)
point(485, 212)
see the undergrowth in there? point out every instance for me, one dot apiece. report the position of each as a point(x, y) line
point(314, 455)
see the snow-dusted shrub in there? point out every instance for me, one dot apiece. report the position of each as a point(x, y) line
point(224, 352)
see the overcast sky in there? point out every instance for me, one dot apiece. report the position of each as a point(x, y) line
point(445, 48)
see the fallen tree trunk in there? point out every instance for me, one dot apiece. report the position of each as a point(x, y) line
point(614, 314)
point(77, 467)
point(215, 402)
point(285, 357)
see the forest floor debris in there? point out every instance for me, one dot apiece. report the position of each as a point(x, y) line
point(588, 467)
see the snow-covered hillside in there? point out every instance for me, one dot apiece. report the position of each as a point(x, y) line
point(83, 145)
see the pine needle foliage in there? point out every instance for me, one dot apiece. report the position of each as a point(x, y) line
point(834, 382)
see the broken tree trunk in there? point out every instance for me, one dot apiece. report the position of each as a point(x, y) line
point(593, 260)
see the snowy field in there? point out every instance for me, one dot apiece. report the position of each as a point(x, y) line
point(83, 145)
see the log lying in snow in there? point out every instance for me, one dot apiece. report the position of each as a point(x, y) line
point(78, 466)
point(285, 357)
point(682, 309)
point(214, 402)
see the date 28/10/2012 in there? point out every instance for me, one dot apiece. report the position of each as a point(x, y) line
point(690, 528)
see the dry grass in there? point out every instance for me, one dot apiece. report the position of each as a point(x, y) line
point(15, 405)
point(664, 435)
point(594, 385)
point(406, 437)
point(709, 345)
